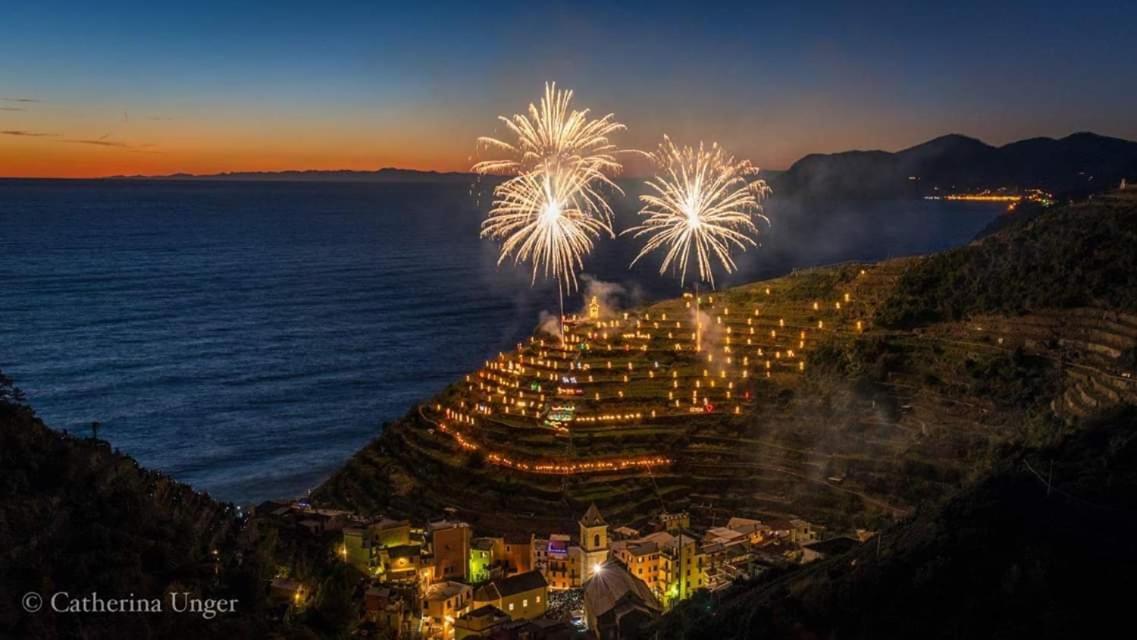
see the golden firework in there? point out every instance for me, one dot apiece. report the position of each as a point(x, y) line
point(554, 206)
point(703, 202)
point(554, 133)
point(546, 217)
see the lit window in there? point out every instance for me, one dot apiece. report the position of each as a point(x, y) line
point(525, 602)
point(538, 599)
point(511, 606)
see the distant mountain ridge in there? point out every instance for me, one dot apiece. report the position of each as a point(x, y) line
point(1079, 163)
point(386, 174)
point(1082, 162)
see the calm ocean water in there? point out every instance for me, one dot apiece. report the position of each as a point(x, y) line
point(248, 337)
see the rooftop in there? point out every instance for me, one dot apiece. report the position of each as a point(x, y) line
point(744, 525)
point(505, 587)
point(592, 517)
point(446, 524)
point(722, 534)
point(444, 590)
point(485, 611)
point(610, 584)
point(642, 548)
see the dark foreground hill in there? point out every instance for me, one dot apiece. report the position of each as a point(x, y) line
point(79, 518)
point(1038, 549)
point(1076, 256)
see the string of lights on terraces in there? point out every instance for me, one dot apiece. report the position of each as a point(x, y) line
point(632, 370)
point(611, 372)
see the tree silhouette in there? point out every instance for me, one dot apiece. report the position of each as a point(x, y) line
point(10, 394)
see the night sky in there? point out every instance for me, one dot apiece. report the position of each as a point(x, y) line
point(101, 88)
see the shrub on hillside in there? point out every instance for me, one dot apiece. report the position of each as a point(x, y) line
point(1069, 257)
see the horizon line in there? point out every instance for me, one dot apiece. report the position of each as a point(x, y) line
point(185, 175)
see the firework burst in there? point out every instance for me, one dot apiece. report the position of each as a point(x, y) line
point(702, 202)
point(547, 218)
point(552, 133)
point(553, 207)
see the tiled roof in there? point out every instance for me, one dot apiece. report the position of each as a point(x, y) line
point(521, 582)
point(592, 517)
point(444, 590)
point(505, 587)
point(609, 584)
point(484, 611)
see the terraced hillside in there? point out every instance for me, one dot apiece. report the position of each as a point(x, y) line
point(1018, 554)
point(801, 395)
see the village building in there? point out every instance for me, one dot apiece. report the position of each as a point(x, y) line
point(539, 629)
point(673, 566)
point(755, 530)
point(402, 563)
point(390, 610)
point(518, 554)
point(736, 559)
point(617, 605)
point(675, 521)
point(725, 536)
point(356, 549)
point(812, 551)
point(642, 559)
point(450, 544)
point(539, 554)
point(593, 541)
point(793, 530)
point(318, 521)
point(516, 573)
point(442, 604)
point(562, 561)
point(566, 565)
point(481, 559)
point(362, 542)
point(479, 623)
point(625, 533)
point(802, 532)
point(523, 596)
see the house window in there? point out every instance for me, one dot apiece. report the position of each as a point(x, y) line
point(511, 606)
point(596, 541)
point(538, 599)
point(525, 602)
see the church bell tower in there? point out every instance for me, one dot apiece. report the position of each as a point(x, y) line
point(593, 541)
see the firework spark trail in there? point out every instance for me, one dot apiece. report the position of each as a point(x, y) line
point(553, 133)
point(546, 218)
point(554, 206)
point(702, 201)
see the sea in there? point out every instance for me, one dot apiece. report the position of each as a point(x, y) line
point(248, 337)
